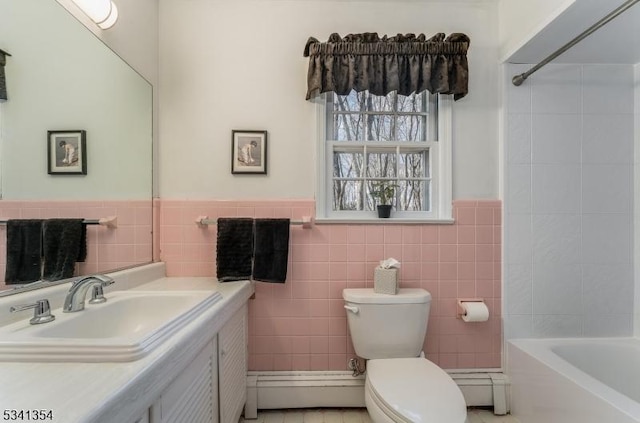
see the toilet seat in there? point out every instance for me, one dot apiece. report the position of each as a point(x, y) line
point(414, 390)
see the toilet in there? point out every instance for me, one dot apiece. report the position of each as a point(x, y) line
point(400, 385)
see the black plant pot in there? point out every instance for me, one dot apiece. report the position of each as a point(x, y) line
point(384, 210)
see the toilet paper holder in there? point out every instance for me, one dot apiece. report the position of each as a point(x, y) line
point(461, 310)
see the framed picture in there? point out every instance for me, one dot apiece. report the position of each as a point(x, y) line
point(67, 152)
point(248, 152)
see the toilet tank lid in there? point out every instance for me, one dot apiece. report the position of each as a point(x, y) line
point(404, 296)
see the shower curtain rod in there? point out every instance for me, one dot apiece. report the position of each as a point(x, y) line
point(519, 79)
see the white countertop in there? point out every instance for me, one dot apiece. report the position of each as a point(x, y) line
point(118, 392)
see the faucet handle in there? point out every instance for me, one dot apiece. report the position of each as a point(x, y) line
point(97, 295)
point(41, 311)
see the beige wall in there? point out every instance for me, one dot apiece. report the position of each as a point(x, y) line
point(238, 65)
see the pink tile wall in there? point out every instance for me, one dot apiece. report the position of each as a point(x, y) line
point(107, 249)
point(301, 325)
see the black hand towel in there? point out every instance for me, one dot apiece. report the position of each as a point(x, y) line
point(63, 239)
point(271, 252)
point(234, 249)
point(24, 251)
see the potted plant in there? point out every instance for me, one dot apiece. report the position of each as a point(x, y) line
point(383, 192)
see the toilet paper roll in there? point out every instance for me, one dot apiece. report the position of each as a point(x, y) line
point(475, 311)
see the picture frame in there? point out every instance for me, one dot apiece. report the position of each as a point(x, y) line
point(67, 152)
point(248, 152)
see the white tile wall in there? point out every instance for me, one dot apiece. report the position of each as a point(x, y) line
point(607, 325)
point(606, 238)
point(556, 89)
point(607, 89)
point(557, 326)
point(607, 288)
point(607, 188)
point(519, 193)
point(614, 131)
point(556, 188)
point(555, 138)
point(519, 132)
point(518, 326)
point(556, 238)
point(555, 287)
point(569, 201)
point(518, 244)
point(519, 289)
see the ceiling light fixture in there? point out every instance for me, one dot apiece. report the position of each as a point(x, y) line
point(103, 12)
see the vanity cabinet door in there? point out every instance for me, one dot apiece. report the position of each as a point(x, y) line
point(232, 359)
point(193, 396)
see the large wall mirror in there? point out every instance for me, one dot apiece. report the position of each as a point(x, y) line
point(61, 77)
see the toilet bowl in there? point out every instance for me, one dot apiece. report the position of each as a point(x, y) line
point(400, 386)
point(412, 390)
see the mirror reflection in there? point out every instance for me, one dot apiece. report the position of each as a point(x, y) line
point(63, 80)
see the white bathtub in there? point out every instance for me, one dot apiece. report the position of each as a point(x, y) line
point(582, 380)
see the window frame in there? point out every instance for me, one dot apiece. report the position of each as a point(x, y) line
point(440, 162)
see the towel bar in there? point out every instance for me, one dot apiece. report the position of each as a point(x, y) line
point(109, 222)
point(307, 222)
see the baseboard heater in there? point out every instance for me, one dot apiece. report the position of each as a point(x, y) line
point(339, 389)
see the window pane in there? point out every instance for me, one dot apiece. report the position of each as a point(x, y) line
point(353, 102)
point(413, 196)
point(413, 103)
point(380, 139)
point(347, 165)
point(347, 127)
point(379, 128)
point(413, 165)
point(411, 128)
point(347, 195)
point(381, 165)
point(375, 103)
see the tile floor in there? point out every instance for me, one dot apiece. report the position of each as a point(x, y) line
point(354, 415)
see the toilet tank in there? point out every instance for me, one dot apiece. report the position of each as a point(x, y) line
point(387, 326)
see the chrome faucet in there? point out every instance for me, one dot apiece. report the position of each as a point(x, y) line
point(74, 300)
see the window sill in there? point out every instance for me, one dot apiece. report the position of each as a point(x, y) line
point(384, 221)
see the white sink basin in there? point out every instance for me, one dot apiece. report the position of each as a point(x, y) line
point(125, 328)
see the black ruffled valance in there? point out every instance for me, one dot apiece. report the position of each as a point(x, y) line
point(404, 63)
point(3, 81)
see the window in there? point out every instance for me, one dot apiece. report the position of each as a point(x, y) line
point(397, 140)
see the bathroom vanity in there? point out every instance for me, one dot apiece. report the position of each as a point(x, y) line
point(196, 374)
point(212, 387)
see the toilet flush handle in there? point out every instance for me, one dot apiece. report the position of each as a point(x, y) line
point(352, 309)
